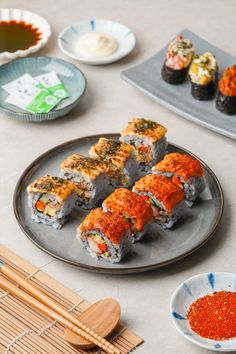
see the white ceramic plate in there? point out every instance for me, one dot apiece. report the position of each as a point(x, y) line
point(68, 39)
point(191, 290)
point(31, 18)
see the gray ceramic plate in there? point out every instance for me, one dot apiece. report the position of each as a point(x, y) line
point(160, 247)
point(147, 78)
point(69, 74)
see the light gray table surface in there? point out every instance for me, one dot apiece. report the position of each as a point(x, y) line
point(106, 107)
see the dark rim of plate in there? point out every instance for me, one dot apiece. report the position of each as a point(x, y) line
point(56, 111)
point(98, 269)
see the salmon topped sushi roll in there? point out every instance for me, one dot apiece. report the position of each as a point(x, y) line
point(51, 199)
point(120, 160)
point(133, 208)
point(89, 175)
point(166, 199)
point(148, 140)
point(178, 58)
point(184, 171)
point(105, 235)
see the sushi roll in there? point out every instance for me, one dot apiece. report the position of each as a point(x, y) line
point(105, 235)
point(184, 171)
point(133, 208)
point(178, 58)
point(120, 160)
point(51, 199)
point(226, 96)
point(89, 175)
point(148, 140)
point(203, 73)
point(166, 199)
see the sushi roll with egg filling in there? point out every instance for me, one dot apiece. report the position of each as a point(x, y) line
point(147, 137)
point(105, 235)
point(203, 73)
point(178, 58)
point(89, 176)
point(120, 160)
point(165, 198)
point(133, 208)
point(184, 171)
point(226, 95)
point(51, 199)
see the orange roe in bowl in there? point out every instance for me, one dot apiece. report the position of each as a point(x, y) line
point(214, 316)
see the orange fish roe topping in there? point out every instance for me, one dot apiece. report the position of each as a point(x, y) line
point(182, 165)
point(214, 316)
point(112, 225)
point(130, 205)
point(162, 188)
point(227, 84)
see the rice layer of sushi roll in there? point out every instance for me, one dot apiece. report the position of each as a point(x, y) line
point(51, 199)
point(184, 171)
point(90, 177)
point(148, 140)
point(166, 199)
point(133, 208)
point(203, 74)
point(105, 235)
point(226, 96)
point(120, 160)
point(178, 58)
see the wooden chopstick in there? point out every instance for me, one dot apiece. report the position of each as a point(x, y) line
point(52, 308)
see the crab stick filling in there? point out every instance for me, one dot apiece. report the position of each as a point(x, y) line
point(46, 206)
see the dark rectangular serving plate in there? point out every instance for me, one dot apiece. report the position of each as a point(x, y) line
point(147, 78)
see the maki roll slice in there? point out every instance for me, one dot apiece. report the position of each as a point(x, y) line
point(120, 160)
point(51, 199)
point(148, 139)
point(166, 199)
point(105, 235)
point(178, 58)
point(203, 74)
point(184, 171)
point(89, 176)
point(226, 96)
point(133, 208)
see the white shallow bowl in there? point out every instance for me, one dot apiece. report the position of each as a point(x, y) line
point(31, 18)
point(68, 39)
point(191, 290)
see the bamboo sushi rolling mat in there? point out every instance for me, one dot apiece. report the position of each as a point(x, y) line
point(24, 330)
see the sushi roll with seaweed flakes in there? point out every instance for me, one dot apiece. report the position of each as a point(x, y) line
point(166, 199)
point(133, 208)
point(178, 58)
point(147, 137)
point(184, 171)
point(105, 235)
point(89, 175)
point(203, 74)
point(226, 96)
point(120, 160)
point(51, 199)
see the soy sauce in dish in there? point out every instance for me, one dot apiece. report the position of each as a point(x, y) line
point(15, 35)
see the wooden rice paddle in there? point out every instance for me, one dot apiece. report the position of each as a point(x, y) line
point(51, 308)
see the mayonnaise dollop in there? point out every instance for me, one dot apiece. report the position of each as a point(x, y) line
point(96, 45)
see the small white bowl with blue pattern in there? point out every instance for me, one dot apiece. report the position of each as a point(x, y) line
point(68, 40)
point(188, 292)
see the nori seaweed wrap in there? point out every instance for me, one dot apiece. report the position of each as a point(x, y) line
point(178, 58)
point(226, 96)
point(203, 74)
